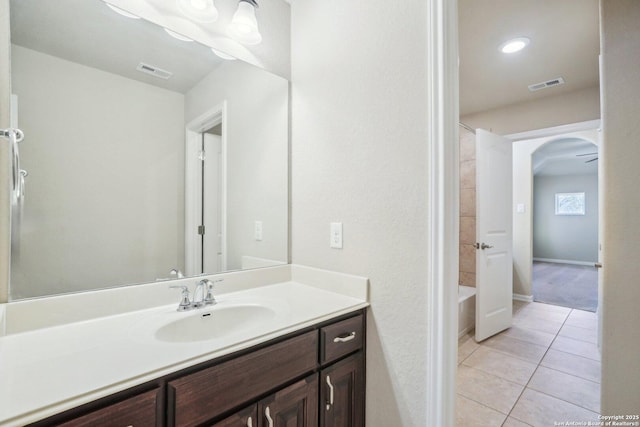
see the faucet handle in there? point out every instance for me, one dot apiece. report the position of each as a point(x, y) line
point(209, 299)
point(185, 302)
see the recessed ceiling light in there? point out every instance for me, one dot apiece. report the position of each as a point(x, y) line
point(514, 45)
point(122, 12)
point(178, 36)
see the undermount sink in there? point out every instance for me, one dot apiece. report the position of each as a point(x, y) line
point(203, 325)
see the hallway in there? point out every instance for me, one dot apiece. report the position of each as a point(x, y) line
point(545, 368)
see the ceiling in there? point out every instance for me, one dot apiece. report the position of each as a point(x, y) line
point(569, 156)
point(89, 33)
point(564, 43)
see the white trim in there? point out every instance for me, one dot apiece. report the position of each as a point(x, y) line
point(556, 130)
point(565, 261)
point(465, 331)
point(216, 115)
point(443, 200)
point(525, 298)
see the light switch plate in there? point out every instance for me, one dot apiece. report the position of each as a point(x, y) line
point(336, 235)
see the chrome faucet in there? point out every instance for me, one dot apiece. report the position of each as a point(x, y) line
point(206, 298)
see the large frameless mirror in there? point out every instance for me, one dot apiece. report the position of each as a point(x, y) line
point(145, 156)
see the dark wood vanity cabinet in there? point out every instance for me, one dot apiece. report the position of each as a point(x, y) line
point(342, 393)
point(314, 377)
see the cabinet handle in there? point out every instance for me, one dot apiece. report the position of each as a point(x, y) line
point(267, 414)
point(249, 422)
point(349, 337)
point(330, 403)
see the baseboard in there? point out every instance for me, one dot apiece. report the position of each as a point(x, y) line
point(465, 331)
point(565, 261)
point(525, 298)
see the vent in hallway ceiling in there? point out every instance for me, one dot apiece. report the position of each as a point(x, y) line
point(154, 71)
point(543, 85)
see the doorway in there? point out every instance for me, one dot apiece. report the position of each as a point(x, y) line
point(205, 193)
point(565, 223)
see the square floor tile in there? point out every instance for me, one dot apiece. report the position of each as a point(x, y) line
point(487, 389)
point(537, 324)
point(572, 389)
point(580, 348)
point(581, 334)
point(512, 422)
point(473, 414)
point(514, 347)
point(501, 365)
point(541, 315)
point(530, 335)
point(579, 366)
point(466, 346)
point(541, 410)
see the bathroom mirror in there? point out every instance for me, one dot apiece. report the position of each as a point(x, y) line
point(143, 153)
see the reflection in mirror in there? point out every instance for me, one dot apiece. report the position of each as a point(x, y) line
point(144, 153)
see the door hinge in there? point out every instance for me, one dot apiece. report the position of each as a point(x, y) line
point(201, 230)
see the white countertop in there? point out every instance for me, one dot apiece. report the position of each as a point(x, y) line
point(49, 370)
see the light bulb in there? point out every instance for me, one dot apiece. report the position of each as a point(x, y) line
point(122, 12)
point(203, 11)
point(223, 55)
point(244, 26)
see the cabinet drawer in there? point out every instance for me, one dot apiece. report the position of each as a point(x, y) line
point(341, 338)
point(137, 411)
point(208, 393)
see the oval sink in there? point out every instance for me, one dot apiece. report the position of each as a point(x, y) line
point(214, 323)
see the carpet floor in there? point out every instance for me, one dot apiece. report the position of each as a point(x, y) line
point(574, 286)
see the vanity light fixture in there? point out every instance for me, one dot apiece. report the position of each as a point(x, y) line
point(178, 36)
point(514, 45)
point(122, 11)
point(244, 26)
point(203, 11)
point(223, 55)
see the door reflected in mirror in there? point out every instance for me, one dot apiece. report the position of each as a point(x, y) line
point(144, 153)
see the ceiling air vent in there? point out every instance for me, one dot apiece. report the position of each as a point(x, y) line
point(544, 85)
point(154, 71)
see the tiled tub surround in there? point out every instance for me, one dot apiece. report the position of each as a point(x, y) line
point(545, 368)
point(47, 370)
point(467, 208)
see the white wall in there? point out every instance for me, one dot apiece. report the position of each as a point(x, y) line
point(565, 237)
point(90, 136)
point(574, 107)
point(359, 156)
point(619, 166)
point(257, 156)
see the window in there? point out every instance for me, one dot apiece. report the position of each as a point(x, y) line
point(570, 204)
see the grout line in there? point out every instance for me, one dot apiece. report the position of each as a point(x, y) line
point(538, 366)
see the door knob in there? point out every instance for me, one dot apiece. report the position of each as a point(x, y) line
point(597, 265)
point(483, 246)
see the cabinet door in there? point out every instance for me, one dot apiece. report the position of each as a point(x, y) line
point(342, 393)
point(296, 405)
point(138, 411)
point(248, 417)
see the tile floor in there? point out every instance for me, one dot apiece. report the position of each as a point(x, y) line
point(545, 368)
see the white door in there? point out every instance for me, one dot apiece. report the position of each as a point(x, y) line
point(494, 255)
point(212, 203)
